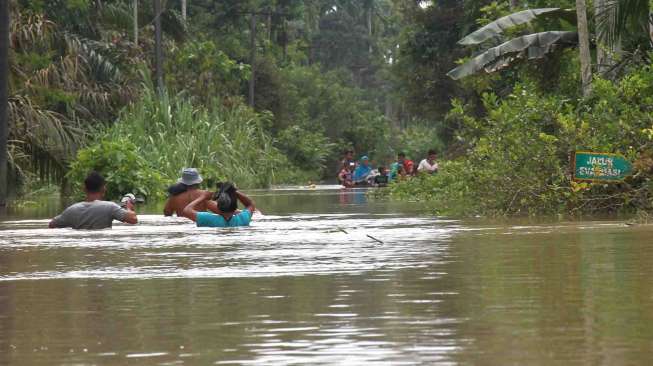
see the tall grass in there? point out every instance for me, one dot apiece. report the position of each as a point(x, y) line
point(222, 142)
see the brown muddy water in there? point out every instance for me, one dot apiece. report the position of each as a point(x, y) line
point(306, 284)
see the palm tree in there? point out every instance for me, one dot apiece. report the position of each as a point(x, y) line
point(622, 17)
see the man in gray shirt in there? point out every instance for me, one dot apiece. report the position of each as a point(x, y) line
point(93, 213)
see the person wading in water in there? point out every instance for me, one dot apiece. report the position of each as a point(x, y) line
point(184, 192)
point(226, 198)
point(94, 213)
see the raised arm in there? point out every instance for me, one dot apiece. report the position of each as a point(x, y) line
point(190, 211)
point(130, 215)
point(212, 206)
point(246, 201)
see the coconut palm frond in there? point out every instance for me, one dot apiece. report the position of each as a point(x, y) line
point(117, 16)
point(618, 16)
point(101, 67)
point(30, 31)
point(45, 130)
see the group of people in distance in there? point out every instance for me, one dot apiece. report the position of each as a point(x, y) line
point(186, 199)
point(360, 173)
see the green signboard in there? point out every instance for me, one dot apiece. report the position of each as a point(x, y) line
point(601, 167)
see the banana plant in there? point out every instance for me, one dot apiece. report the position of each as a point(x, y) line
point(499, 26)
point(530, 46)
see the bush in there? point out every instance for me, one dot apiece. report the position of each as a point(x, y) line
point(309, 150)
point(124, 169)
point(417, 140)
point(201, 69)
point(518, 155)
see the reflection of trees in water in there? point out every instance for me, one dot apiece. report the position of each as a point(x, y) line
point(564, 294)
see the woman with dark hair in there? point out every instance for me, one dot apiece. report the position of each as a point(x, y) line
point(226, 199)
point(184, 192)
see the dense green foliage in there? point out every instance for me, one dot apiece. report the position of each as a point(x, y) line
point(124, 169)
point(76, 65)
point(222, 142)
point(519, 152)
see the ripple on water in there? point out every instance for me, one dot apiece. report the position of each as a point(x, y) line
point(272, 246)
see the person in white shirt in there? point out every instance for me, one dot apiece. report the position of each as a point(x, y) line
point(429, 165)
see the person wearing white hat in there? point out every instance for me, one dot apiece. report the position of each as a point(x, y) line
point(186, 190)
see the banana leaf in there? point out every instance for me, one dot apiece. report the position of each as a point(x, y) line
point(533, 46)
point(500, 25)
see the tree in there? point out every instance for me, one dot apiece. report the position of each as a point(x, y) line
point(158, 47)
point(135, 16)
point(4, 101)
point(584, 46)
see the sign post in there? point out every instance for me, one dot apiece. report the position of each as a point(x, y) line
point(600, 167)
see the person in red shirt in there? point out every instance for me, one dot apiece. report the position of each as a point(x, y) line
point(407, 164)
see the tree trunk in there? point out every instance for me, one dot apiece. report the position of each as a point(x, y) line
point(158, 53)
point(369, 26)
point(4, 98)
point(183, 10)
point(268, 26)
point(252, 59)
point(584, 45)
point(135, 22)
point(650, 24)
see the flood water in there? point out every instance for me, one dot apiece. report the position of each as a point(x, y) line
point(326, 277)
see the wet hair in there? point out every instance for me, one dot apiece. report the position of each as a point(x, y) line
point(350, 151)
point(401, 155)
point(381, 169)
point(432, 152)
point(94, 182)
point(226, 197)
point(179, 188)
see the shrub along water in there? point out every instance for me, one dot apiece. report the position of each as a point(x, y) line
point(170, 133)
point(518, 154)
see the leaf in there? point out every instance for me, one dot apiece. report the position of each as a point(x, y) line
point(618, 16)
point(500, 25)
point(533, 46)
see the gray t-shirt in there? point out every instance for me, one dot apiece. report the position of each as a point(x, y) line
point(90, 215)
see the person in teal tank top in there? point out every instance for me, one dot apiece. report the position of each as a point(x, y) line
point(227, 198)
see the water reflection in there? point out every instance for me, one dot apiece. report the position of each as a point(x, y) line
point(306, 284)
